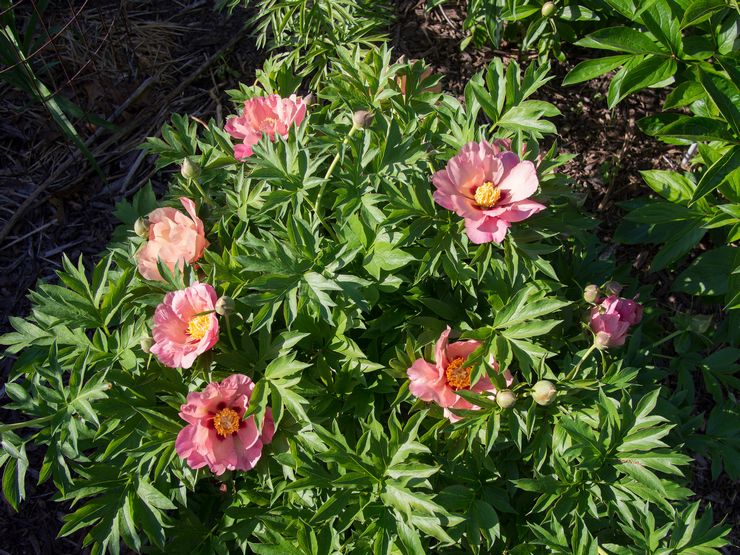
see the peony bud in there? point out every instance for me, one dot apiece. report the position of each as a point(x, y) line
point(189, 170)
point(547, 9)
point(141, 227)
point(146, 344)
point(590, 293)
point(225, 305)
point(613, 287)
point(544, 392)
point(506, 398)
point(362, 119)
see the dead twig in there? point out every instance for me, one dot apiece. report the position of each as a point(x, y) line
point(64, 166)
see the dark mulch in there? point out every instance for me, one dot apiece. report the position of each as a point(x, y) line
point(119, 46)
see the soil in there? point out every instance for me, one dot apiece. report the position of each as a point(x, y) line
point(114, 49)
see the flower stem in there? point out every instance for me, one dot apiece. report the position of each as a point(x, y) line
point(577, 367)
point(201, 191)
point(322, 188)
point(228, 332)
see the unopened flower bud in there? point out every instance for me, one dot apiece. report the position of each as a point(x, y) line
point(506, 398)
point(590, 293)
point(308, 99)
point(544, 392)
point(141, 227)
point(146, 344)
point(189, 170)
point(547, 9)
point(224, 305)
point(613, 287)
point(362, 119)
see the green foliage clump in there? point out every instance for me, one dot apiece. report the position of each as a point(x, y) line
point(337, 270)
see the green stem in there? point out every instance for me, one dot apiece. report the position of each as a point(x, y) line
point(577, 367)
point(36, 422)
point(228, 332)
point(668, 337)
point(322, 188)
point(201, 191)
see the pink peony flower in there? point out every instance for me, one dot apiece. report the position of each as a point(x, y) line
point(185, 325)
point(174, 238)
point(611, 318)
point(489, 187)
point(438, 382)
point(216, 435)
point(268, 115)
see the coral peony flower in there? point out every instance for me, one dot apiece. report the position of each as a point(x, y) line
point(216, 435)
point(489, 187)
point(438, 382)
point(611, 318)
point(174, 238)
point(268, 115)
point(185, 325)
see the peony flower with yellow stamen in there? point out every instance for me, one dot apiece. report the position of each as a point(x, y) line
point(185, 325)
point(438, 382)
point(217, 434)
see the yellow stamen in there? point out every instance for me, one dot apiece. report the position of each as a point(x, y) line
point(226, 422)
point(198, 326)
point(487, 195)
point(458, 377)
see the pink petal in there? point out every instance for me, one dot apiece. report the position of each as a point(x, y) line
point(462, 348)
point(475, 234)
point(425, 381)
point(521, 210)
point(521, 182)
point(440, 351)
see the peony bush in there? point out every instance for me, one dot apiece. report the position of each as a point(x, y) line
point(383, 324)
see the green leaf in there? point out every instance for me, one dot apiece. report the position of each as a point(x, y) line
point(685, 127)
point(590, 69)
point(152, 497)
point(407, 501)
point(535, 328)
point(526, 117)
point(680, 243)
point(672, 186)
point(409, 537)
point(14, 477)
point(621, 39)
point(684, 94)
point(284, 367)
point(486, 101)
point(651, 70)
point(643, 476)
point(717, 174)
point(701, 10)
point(709, 274)
point(258, 402)
point(725, 95)
point(660, 212)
